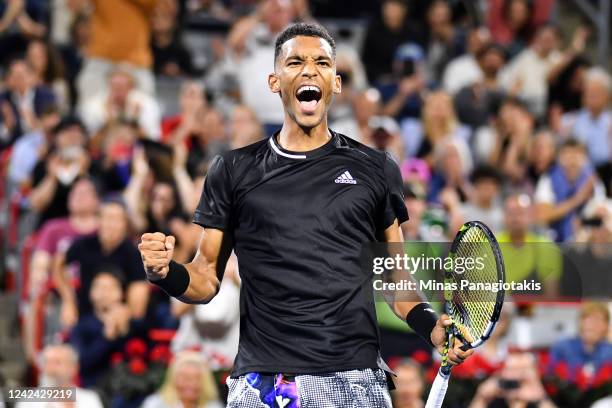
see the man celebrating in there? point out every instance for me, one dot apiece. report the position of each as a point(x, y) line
point(297, 208)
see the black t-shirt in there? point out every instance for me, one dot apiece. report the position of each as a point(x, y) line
point(298, 222)
point(87, 256)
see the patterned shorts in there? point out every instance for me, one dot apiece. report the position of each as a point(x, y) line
point(343, 389)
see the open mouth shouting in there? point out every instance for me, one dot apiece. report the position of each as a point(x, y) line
point(308, 97)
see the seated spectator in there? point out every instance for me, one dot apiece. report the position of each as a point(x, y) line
point(54, 239)
point(188, 383)
point(401, 93)
point(73, 53)
point(251, 42)
point(59, 367)
point(23, 101)
point(563, 192)
point(48, 69)
point(517, 385)
point(541, 156)
point(528, 255)
point(464, 70)
point(110, 246)
point(103, 329)
point(587, 353)
point(114, 161)
point(385, 33)
point(28, 148)
point(120, 36)
point(586, 265)
point(124, 101)
point(244, 128)
point(56, 171)
point(446, 40)
point(409, 385)
point(170, 57)
point(592, 123)
point(526, 74)
point(512, 23)
point(453, 164)
point(208, 138)
point(438, 123)
point(566, 78)
point(477, 104)
point(484, 203)
point(192, 102)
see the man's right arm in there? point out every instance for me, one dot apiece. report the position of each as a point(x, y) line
point(199, 278)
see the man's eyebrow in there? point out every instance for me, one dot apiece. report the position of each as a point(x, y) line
point(302, 58)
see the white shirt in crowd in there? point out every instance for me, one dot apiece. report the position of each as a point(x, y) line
point(461, 72)
point(84, 399)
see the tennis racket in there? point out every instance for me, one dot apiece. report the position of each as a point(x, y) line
point(474, 309)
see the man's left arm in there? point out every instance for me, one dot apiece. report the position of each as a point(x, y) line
point(419, 314)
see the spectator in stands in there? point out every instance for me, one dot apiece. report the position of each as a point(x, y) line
point(59, 368)
point(568, 186)
point(518, 384)
point(244, 128)
point(385, 33)
point(438, 122)
point(526, 74)
point(453, 164)
point(401, 94)
point(251, 42)
point(208, 138)
point(170, 57)
point(21, 21)
point(29, 148)
point(464, 70)
point(54, 239)
point(541, 156)
point(485, 202)
point(476, 104)
point(48, 68)
point(120, 35)
point(110, 246)
point(409, 385)
point(445, 42)
point(566, 78)
point(528, 255)
point(592, 124)
point(188, 383)
point(56, 171)
point(512, 23)
point(103, 329)
point(193, 104)
point(587, 353)
point(160, 208)
point(22, 102)
point(122, 100)
point(118, 142)
point(73, 53)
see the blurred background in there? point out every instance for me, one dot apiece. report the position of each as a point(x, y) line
point(110, 110)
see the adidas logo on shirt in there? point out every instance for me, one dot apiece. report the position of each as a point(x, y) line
point(345, 178)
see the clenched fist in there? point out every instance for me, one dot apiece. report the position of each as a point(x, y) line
point(156, 250)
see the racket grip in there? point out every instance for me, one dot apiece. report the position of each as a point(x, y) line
point(438, 391)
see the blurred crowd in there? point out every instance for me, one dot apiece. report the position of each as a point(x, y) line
point(110, 111)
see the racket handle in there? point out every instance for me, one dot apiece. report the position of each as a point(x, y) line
point(438, 391)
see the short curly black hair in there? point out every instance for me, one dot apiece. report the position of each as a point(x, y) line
point(303, 29)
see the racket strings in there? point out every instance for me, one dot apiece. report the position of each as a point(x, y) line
point(471, 309)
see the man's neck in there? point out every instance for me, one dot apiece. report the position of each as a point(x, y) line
point(295, 138)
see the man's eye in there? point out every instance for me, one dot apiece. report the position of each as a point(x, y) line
point(324, 63)
point(293, 63)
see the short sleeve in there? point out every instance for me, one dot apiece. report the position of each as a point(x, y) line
point(46, 241)
point(544, 192)
point(393, 202)
point(216, 202)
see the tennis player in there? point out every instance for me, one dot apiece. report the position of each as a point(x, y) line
point(296, 208)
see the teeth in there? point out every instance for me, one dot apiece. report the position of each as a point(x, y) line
point(308, 88)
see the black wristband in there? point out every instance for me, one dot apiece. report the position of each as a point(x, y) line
point(422, 319)
point(176, 281)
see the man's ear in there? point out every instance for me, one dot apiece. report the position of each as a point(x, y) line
point(274, 83)
point(337, 84)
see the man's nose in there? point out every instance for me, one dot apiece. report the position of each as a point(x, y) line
point(309, 69)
